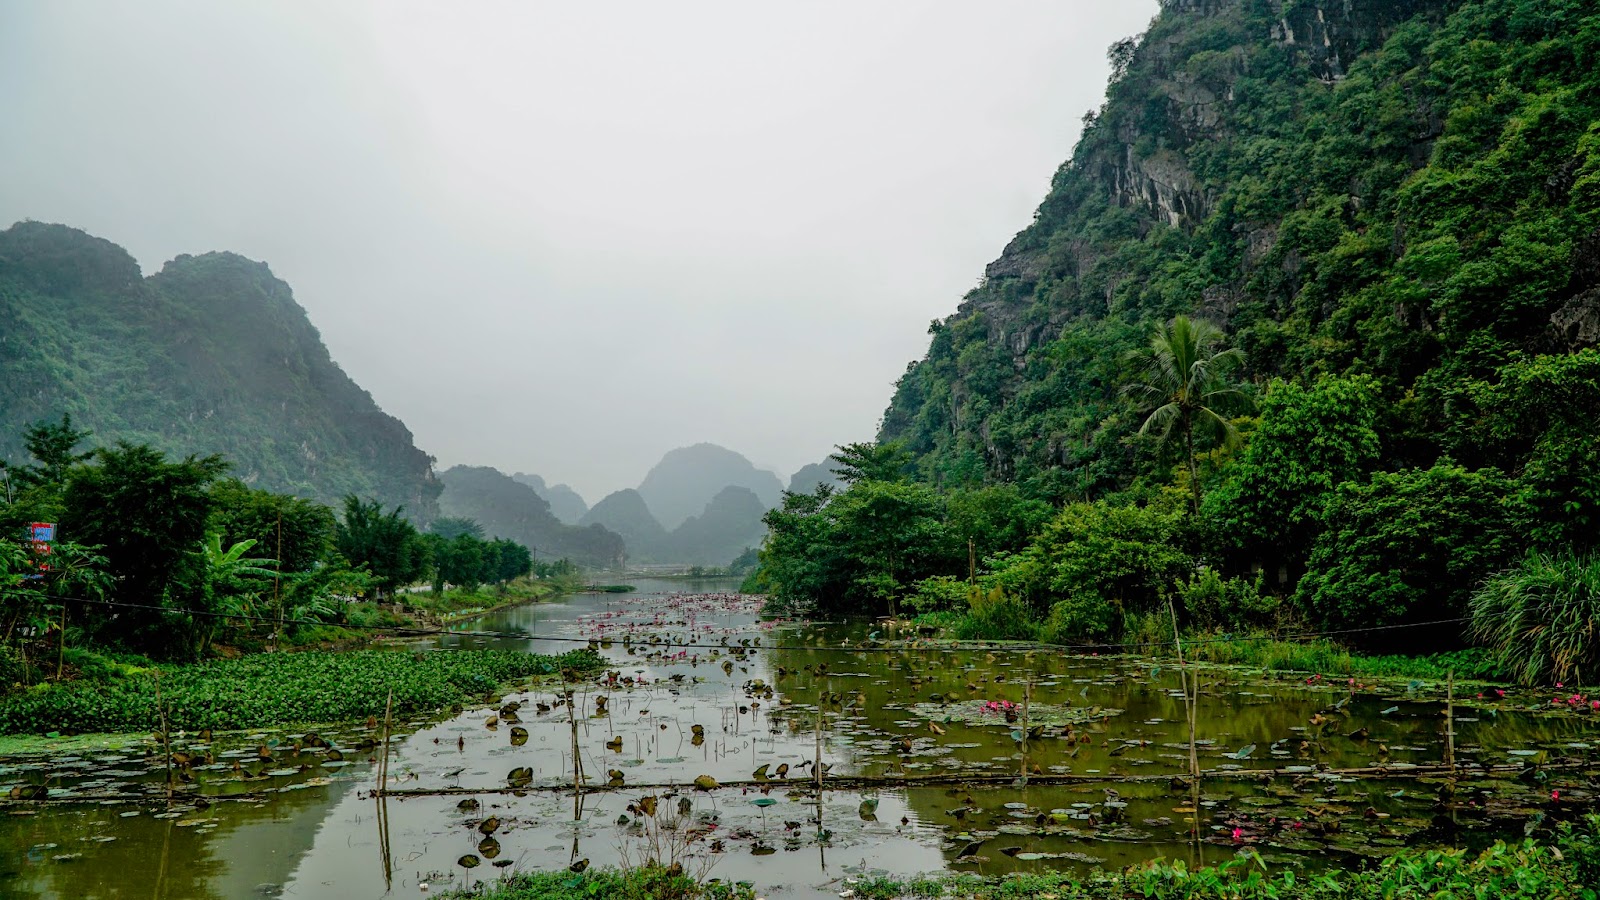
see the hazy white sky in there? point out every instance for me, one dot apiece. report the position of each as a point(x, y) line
point(568, 237)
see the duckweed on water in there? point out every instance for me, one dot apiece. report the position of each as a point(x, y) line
point(278, 689)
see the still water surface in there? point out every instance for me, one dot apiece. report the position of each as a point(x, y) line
point(301, 825)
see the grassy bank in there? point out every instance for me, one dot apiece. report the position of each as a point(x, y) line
point(274, 689)
point(1324, 657)
point(425, 609)
point(1263, 651)
point(1565, 867)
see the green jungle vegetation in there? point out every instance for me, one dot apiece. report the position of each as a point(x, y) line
point(1566, 868)
point(210, 355)
point(169, 560)
point(1302, 339)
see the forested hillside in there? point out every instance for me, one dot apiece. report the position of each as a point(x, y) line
point(211, 356)
point(1405, 190)
point(1302, 337)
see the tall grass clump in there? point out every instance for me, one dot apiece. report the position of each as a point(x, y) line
point(1542, 618)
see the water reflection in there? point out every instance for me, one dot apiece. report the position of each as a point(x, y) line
point(699, 687)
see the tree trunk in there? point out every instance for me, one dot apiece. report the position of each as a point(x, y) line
point(1194, 474)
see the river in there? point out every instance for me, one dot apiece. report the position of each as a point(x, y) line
point(703, 687)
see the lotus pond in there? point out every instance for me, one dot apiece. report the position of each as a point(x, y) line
point(699, 746)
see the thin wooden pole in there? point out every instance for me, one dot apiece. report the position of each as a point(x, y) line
point(1027, 695)
point(816, 762)
point(1188, 705)
point(577, 762)
point(166, 738)
point(1450, 720)
point(383, 761)
point(61, 650)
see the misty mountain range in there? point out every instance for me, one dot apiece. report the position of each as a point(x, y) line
point(214, 355)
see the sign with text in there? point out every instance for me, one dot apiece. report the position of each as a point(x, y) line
point(40, 534)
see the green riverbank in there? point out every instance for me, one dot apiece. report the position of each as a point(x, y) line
point(1564, 867)
point(1317, 656)
point(426, 609)
point(273, 689)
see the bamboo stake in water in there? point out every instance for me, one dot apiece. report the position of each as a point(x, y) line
point(166, 739)
point(1188, 705)
point(1450, 720)
point(383, 761)
point(816, 763)
point(577, 762)
point(1027, 695)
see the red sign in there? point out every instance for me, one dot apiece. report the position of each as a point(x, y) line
point(40, 534)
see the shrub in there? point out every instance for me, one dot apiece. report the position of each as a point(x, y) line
point(1229, 604)
point(1082, 618)
point(939, 594)
point(1542, 618)
point(997, 616)
point(1125, 556)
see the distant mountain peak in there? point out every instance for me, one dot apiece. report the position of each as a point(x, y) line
point(567, 504)
point(510, 508)
point(688, 478)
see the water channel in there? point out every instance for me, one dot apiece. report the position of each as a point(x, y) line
point(701, 686)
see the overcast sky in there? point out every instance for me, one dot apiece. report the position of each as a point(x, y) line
point(568, 237)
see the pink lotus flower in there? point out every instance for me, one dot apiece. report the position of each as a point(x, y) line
point(1238, 835)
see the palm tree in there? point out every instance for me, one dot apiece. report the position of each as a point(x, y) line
point(1183, 381)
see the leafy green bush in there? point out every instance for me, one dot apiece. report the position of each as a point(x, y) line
point(1082, 618)
point(941, 593)
point(997, 616)
point(1542, 618)
point(1229, 604)
point(1125, 556)
point(278, 689)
